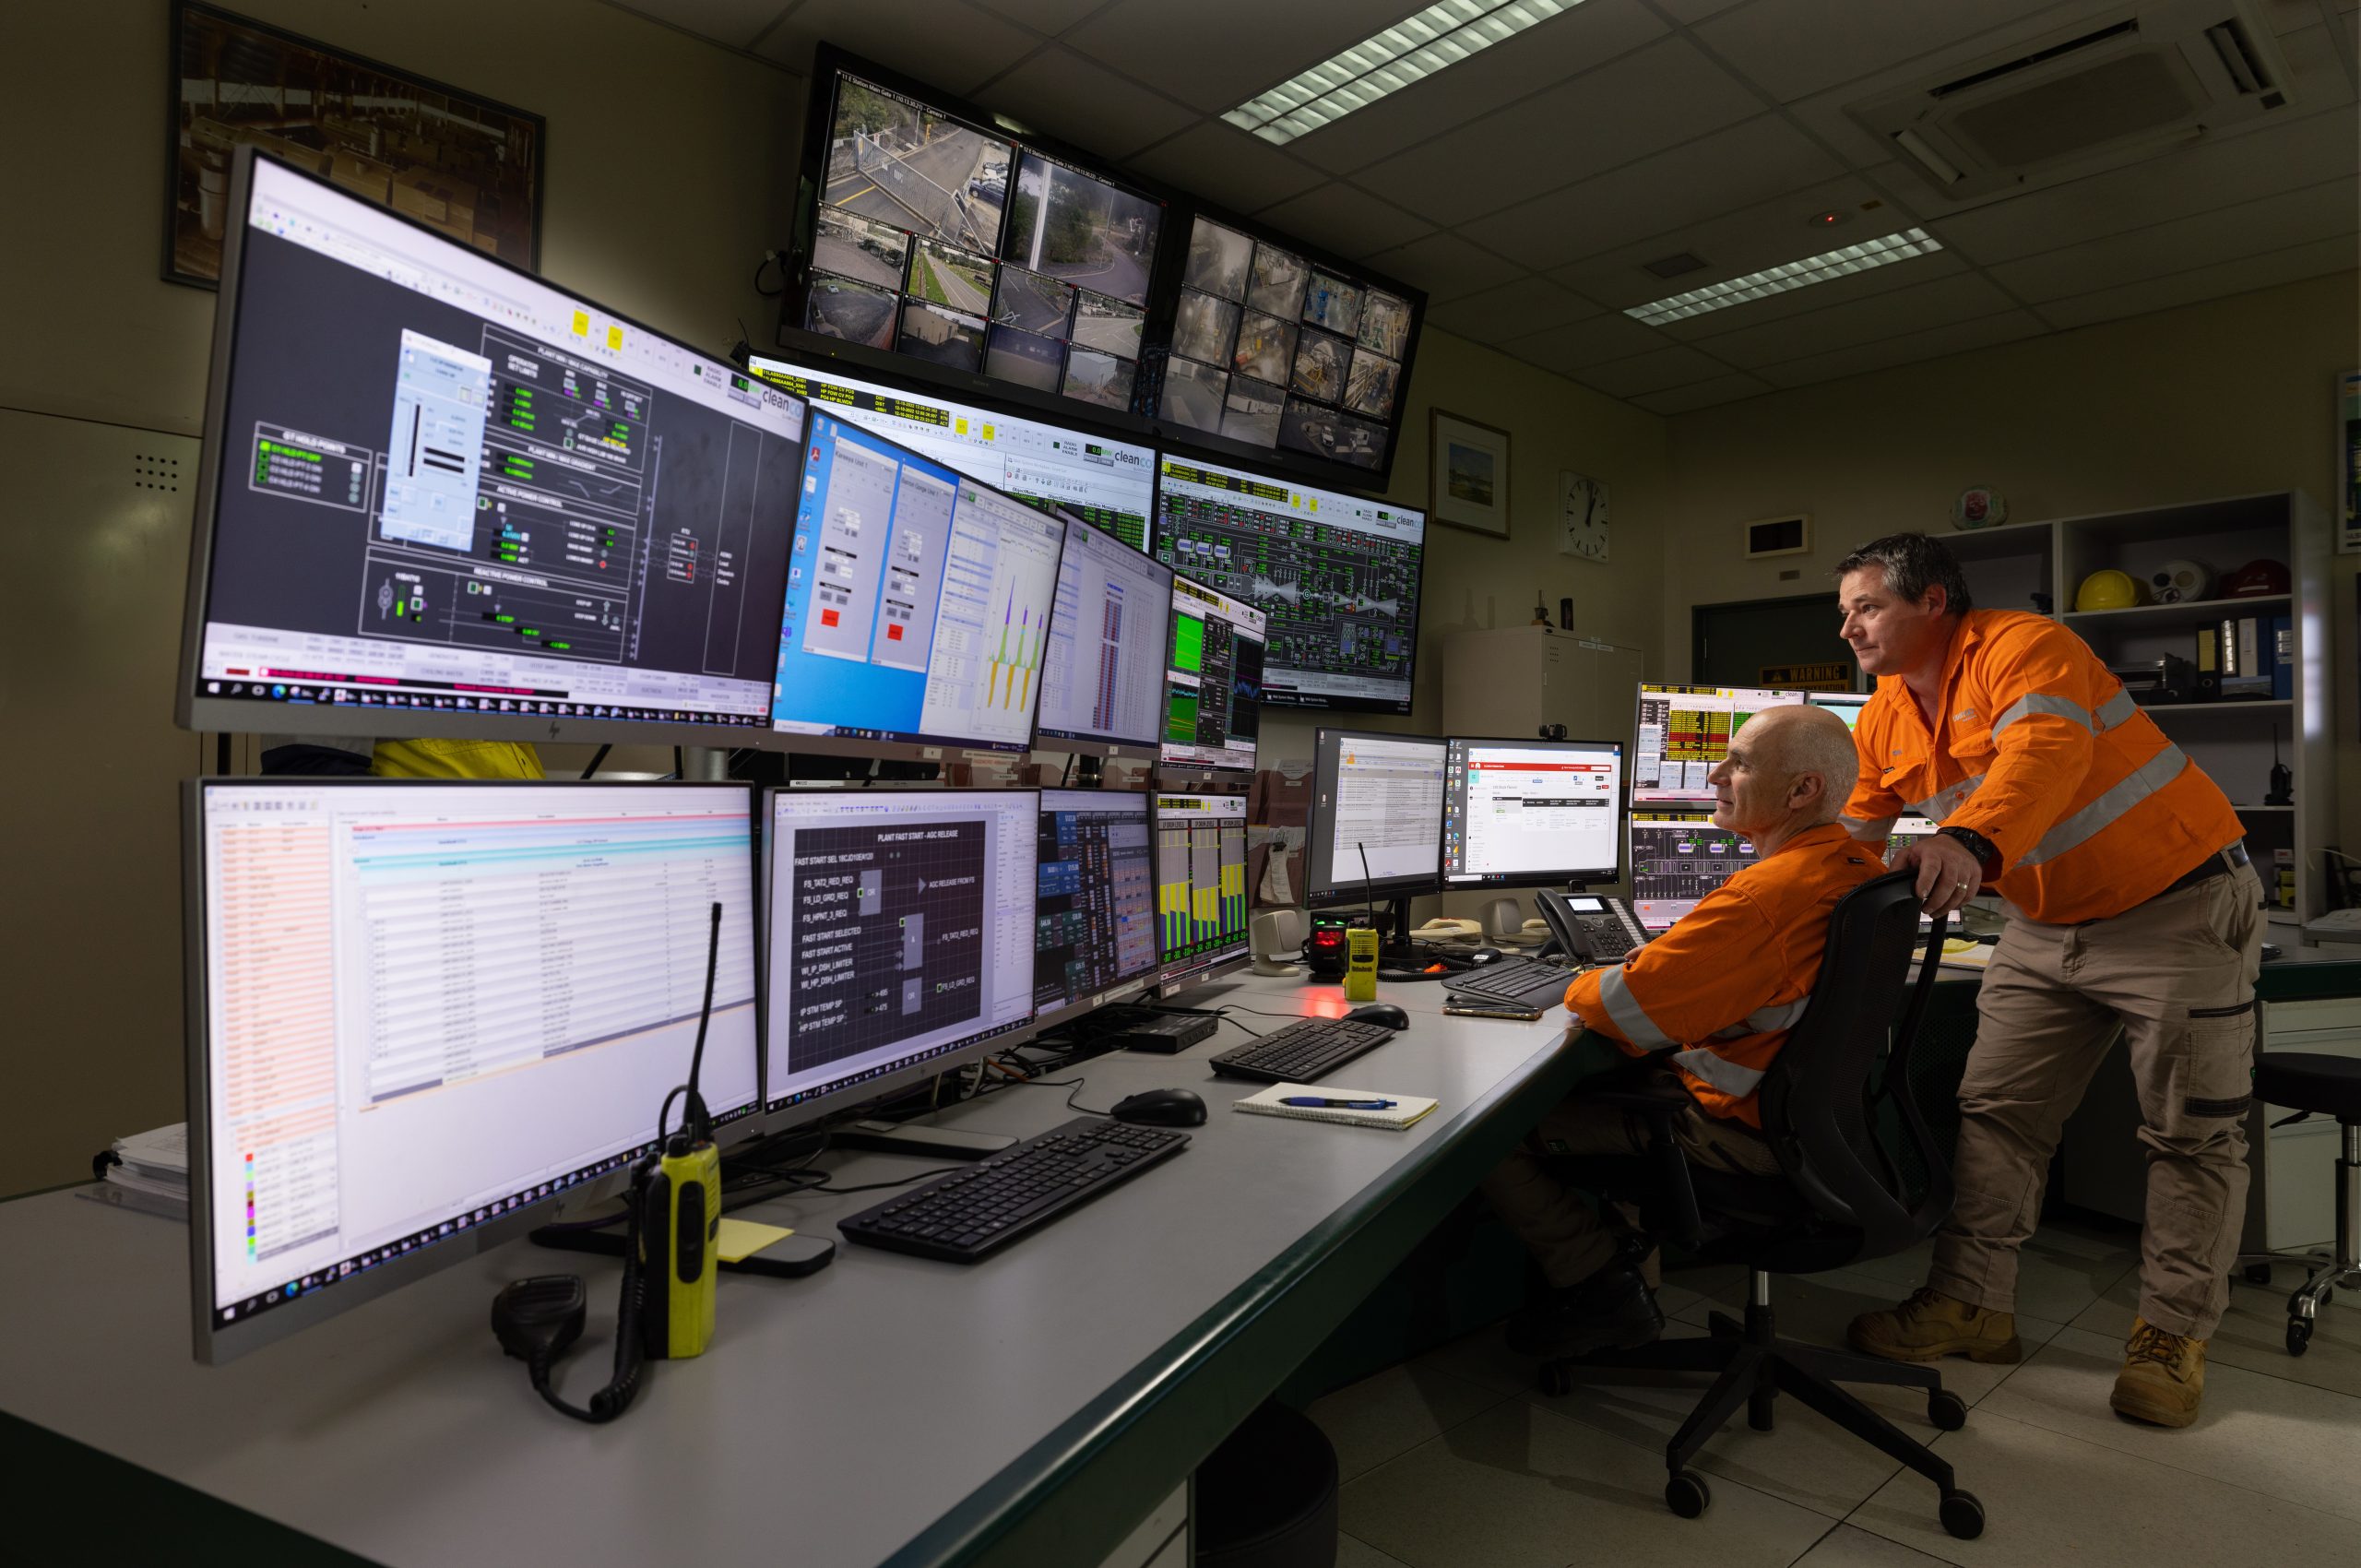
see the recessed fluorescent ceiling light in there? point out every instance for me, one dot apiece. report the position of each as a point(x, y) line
point(1794, 275)
point(1442, 34)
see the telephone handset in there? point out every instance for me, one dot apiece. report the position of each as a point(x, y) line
point(1593, 928)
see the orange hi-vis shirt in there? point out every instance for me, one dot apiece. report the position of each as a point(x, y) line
point(1733, 975)
point(2043, 753)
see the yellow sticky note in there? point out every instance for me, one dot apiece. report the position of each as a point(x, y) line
point(582, 324)
point(614, 337)
point(742, 1238)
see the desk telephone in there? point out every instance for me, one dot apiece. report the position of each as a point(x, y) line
point(1593, 929)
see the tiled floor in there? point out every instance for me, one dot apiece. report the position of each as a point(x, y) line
point(1456, 1461)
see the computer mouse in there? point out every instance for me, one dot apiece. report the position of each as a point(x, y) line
point(1483, 956)
point(1385, 1012)
point(1161, 1107)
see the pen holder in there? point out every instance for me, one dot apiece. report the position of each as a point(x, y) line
point(1360, 964)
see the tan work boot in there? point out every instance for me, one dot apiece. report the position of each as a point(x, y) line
point(1930, 1324)
point(2162, 1379)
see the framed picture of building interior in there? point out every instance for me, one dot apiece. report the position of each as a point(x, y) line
point(1467, 475)
point(461, 163)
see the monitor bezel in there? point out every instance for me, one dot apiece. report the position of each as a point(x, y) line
point(1321, 703)
point(1315, 818)
point(193, 710)
point(1551, 876)
point(216, 1345)
point(782, 1115)
point(1101, 745)
point(1187, 767)
point(1129, 987)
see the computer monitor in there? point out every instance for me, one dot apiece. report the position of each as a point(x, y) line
point(1200, 886)
point(1375, 826)
point(900, 937)
point(1212, 679)
point(1108, 483)
point(417, 1013)
point(1530, 813)
point(918, 604)
point(1677, 857)
point(438, 496)
point(1102, 685)
point(1094, 914)
point(1846, 706)
point(1336, 576)
point(1684, 733)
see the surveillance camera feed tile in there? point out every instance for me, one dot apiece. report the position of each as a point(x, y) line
point(1110, 484)
point(947, 243)
point(1336, 576)
point(1213, 676)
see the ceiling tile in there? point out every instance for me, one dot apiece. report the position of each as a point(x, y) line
point(1732, 244)
point(1347, 221)
point(1509, 311)
point(1050, 17)
point(1703, 393)
point(1819, 297)
point(1663, 95)
point(1737, 167)
point(1061, 94)
point(1227, 166)
point(2291, 15)
point(1794, 48)
point(1569, 44)
point(1593, 340)
point(1906, 349)
point(1217, 53)
point(945, 43)
point(2292, 218)
point(2206, 282)
point(1651, 371)
point(1961, 297)
point(1689, 12)
point(1445, 266)
point(733, 23)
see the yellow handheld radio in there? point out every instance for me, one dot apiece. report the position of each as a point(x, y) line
point(679, 1205)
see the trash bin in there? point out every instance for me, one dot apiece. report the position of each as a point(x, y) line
point(1266, 1498)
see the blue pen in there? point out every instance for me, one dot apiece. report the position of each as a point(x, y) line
point(1319, 1103)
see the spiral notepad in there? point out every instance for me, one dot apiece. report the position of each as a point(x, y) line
point(1407, 1108)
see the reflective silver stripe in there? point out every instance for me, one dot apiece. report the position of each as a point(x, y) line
point(1615, 993)
point(1765, 1020)
point(2117, 710)
point(1719, 1071)
point(2040, 702)
point(1945, 800)
point(2102, 812)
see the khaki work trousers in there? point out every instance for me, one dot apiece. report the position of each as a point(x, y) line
point(2178, 974)
point(1554, 1221)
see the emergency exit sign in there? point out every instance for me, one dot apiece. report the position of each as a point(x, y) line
point(1836, 677)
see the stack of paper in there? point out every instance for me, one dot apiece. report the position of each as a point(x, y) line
point(151, 1175)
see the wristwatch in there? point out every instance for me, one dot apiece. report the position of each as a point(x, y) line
point(1987, 855)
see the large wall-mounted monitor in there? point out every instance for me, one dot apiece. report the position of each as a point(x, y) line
point(918, 604)
point(1200, 885)
point(1108, 483)
point(1336, 576)
point(945, 245)
point(1095, 933)
point(420, 1012)
point(1103, 682)
point(440, 497)
point(1213, 710)
point(901, 937)
point(1375, 823)
point(1526, 814)
point(1684, 733)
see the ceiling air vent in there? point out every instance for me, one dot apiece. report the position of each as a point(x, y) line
point(2146, 78)
point(1673, 266)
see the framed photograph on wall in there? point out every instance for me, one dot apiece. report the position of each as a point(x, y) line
point(1467, 475)
point(456, 161)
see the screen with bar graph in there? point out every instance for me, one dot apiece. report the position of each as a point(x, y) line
point(918, 603)
point(1200, 883)
point(1102, 689)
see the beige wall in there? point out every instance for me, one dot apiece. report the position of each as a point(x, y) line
point(2228, 398)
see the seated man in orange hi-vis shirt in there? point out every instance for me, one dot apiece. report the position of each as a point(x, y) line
point(1714, 998)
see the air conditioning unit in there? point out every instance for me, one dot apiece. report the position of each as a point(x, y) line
point(2120, 86)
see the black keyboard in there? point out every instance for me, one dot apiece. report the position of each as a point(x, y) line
point(1520, 982)
point(1300, 1053)
point(970, 1213)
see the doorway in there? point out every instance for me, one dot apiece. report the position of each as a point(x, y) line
point(1734, 644)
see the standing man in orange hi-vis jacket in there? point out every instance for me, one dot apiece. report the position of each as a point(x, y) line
point(2129, 902)
point(1714, 998)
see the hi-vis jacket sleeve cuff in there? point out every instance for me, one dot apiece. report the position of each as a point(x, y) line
point(1582, 1001)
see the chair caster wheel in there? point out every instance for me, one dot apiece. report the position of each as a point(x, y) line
point(1556, 1382)
point(2258, 1274)
point(1946, 1410)
point(1686, 1493)
point(2299, 1336)
point(1962, 1516)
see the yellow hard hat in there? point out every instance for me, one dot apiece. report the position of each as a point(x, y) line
point(2109, 589)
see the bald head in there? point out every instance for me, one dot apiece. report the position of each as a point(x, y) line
point(1788, 770)
point(1812, 740)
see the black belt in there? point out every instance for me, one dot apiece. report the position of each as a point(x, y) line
point(2222, 863)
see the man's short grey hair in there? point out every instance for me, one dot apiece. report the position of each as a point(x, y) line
point(1912, 564)
point(1817, 742)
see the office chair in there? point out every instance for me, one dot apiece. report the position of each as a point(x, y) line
point(1840, 1200)
point(2311, 1083)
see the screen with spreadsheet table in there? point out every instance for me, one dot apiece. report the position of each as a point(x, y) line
point(426, 1005)
point(1094, 913)
point(1684, 733)
point(1375, 826)
point(1102, 685)
point(1531, 812)
point(1199, 881)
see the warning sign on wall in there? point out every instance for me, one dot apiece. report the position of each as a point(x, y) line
point(1836, 677)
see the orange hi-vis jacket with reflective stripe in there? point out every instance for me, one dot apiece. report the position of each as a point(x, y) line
point(1732, 976)
point(2043, 753)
